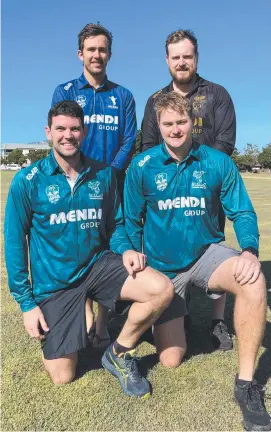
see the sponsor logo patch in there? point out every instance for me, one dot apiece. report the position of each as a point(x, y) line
point(114, 102)
point(32, 173)
point(67, 86)
point(143, 161)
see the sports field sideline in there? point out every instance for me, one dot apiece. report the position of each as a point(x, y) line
point(198, 396)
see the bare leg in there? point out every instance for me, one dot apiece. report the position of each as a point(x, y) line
point(90, 317)
point(62, 370)
point(151, 292)
point(249, 314)
point(170, 342)
point(101, 322)
point(219, 307)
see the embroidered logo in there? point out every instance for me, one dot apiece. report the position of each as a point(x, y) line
point(198, 182)
point(52, 193)
point(94, 186)
point(81, 100)
point(161, 181)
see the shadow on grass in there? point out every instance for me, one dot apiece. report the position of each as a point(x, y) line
point(198, 336)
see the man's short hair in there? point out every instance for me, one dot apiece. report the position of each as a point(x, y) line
point(173, 101)
point(180, 35)
point(91, 30)
point(67, 108)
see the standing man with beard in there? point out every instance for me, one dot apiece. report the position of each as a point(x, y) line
point(109, 118)
point(214, 124)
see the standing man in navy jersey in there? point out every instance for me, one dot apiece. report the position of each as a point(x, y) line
point(109, 118)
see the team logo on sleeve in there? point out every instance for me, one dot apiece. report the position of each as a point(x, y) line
point(81, 100)
point(52, 193)
point(161, 181)
point(198, 182)
point(94, 186)
point(114, 102)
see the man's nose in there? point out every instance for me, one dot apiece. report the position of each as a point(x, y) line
point(68, 134)
point(175, 129)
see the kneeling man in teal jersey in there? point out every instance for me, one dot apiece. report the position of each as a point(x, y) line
point(177, 188)
point(64, 213)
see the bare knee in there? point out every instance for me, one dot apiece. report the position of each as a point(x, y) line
point(62, 377)
point(172, 358)
point(165, 292)
point(62, 370)
point(255, 292)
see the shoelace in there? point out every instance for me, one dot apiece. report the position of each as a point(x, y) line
point(131, 365)
point(255, 397)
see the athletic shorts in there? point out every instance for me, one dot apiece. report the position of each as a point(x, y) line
point(197, 275)
point(64, 312)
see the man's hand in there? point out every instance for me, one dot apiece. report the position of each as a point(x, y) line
point(246, 268)
point(133, 261)
point(33, 322)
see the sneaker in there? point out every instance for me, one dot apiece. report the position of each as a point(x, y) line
point(125, 368)
point(250, 398)
point(221, 338)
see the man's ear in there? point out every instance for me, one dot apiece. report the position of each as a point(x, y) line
point(167, 59)
point(80, 55)
point(48, 133)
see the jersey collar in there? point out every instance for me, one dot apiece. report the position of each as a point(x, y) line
point(83, 83)
point(199, 82)
point(167, 158)
point(52, 166)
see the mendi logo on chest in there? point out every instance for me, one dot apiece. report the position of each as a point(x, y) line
point(194, 204)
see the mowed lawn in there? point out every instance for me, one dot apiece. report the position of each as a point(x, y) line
point(197, 396)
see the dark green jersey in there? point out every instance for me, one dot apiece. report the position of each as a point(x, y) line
point(180, 205)
point(67, 229)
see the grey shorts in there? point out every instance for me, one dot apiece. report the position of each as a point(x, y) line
point(197, 275)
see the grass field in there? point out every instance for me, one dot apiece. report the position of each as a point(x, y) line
point(197, 396)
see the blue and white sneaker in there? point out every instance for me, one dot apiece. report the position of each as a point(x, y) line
point(125, 368)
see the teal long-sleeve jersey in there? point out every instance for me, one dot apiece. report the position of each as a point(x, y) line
point(180, 203)
point(66, 229)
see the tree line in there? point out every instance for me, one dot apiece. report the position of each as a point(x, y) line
point(252, 156)
point(246, 160)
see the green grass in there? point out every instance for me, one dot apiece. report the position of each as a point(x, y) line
point(196, 396)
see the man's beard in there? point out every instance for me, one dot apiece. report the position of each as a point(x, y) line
point(185, 80)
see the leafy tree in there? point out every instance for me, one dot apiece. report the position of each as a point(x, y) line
point(36, 155)
point(3, 161)
point(265, 156)
point(16, 156)
point(236, 157)
point(250, 156)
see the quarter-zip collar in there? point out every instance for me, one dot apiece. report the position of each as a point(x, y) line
point(52, 167)
point(83, 83)
point(166, 158)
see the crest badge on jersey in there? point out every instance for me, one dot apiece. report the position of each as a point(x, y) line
point(161, 181)
point(94, 186)
point(52, 193)
point(198, 182)
point(81, 100)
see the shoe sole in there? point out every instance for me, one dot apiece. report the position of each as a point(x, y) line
point(248, 426)
point(251, 427)
point(111, 369)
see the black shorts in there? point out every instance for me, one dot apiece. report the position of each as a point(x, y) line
point(64, 311)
